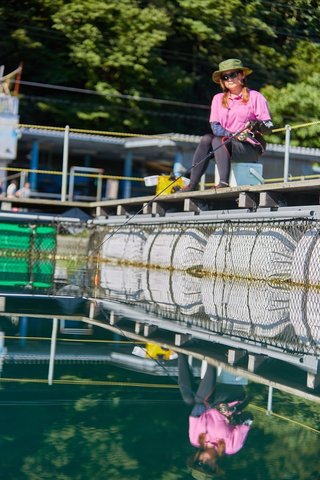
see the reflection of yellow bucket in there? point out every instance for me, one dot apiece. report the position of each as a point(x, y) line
point(155, 351)
point(165, 184)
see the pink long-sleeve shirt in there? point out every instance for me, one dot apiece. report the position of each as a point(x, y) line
point(216, 427)
point(238, 114)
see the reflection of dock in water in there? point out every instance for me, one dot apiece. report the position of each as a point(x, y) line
point(247, 281)
point(38, 352)
point(254, 322)
point(276, 315)
point(254, 359)
point(261, 358)
point(297, 374)
point(237, 287)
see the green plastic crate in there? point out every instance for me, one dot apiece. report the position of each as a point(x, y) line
point(45, 239)
point(43, 273)
point(15, 237)
point(14, 271)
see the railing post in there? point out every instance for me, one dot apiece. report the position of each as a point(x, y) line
point(1, 341)
point(71, 183)
point(34, 164)
point(23, 331)
point(65, 164)
point(52, 350)
point(99, 188)
point(128, 161)
point(286, 154)
point(2, 350)
point(269, 407)
point(22, 178)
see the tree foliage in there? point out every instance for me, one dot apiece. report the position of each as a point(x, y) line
point(129, 54)
point(78, 433)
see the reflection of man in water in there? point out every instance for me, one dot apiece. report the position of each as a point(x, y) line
point(217, 425)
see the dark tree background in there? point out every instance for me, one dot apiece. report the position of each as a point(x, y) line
point(145, 66)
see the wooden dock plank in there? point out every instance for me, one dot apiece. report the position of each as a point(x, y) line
point(307, 192)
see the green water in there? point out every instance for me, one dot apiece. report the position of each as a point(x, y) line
point(136, 430)
point(81, 432)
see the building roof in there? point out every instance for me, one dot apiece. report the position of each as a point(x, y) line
point(56, 137)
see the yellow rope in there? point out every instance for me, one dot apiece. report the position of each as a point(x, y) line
point(298, 178)
point(27, 170)
point(88, 382)
point(122, 134)
point(56, 172)
point(133, 179)
point(294, 127)
point(94, 132)
point(139, 135)
point(282, 417)
point(128, 342)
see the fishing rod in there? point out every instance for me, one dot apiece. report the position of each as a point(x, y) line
point(206, 158)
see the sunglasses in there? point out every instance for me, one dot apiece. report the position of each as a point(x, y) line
point(203, 466)
point(201, 463)
point(228, 76)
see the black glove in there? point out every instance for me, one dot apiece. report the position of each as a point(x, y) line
point(254, 125)
point(262, 126)
point(243, 418)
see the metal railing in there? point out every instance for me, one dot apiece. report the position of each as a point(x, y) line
point(68, 175)
point(287, 129)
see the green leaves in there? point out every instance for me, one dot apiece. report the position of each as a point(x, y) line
point(298, 103)
point(110, 40)
point(161, 49)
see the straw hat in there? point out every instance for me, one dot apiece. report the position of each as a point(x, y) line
point(197, 475)
point(229, 65)
point(200, 472)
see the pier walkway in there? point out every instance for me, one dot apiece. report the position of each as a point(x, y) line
point(262, 199)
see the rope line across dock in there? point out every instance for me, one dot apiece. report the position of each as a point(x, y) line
point(128, 342)
point(159, 136)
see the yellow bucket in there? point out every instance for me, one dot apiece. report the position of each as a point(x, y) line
point(165, 184)
point(155, 351)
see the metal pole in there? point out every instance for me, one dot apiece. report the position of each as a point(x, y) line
point(71, 183)
point(202, 182)
point(2, 351)
point(269, 408)
point(23, 330)
point(204, 366)
point(34, 165)
point(22, 179)
point(52, 350)
point(128, 161)
point(286, 154)
point(92, 309)
point(65, 164)
point(99, 188)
